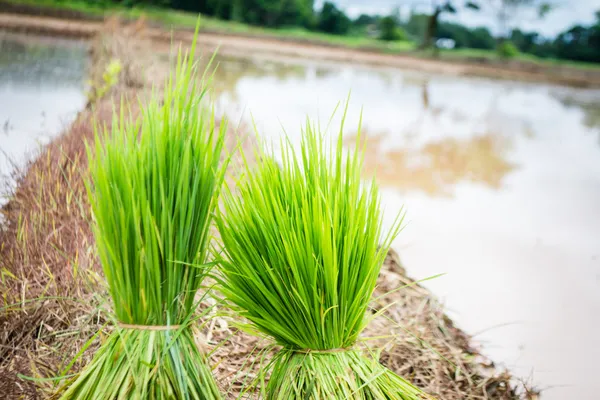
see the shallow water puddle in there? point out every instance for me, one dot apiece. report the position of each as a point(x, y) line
point(501, 185)
point(41, 90)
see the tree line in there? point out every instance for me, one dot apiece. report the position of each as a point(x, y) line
point(579, 42)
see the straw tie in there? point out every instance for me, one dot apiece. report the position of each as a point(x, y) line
point(149, 327)
point(323, 351)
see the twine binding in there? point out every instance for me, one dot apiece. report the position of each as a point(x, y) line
point(323, 351)
point(149, 327)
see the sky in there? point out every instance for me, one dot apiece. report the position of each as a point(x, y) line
point(566, 14)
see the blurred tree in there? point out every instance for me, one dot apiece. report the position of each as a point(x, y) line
point(432, 23)
point(507, 12)
point(295, 13)
point(416, 25)
point(272, 13)
point(481, 38)
point(332, 20)
point(524, 41)
point(365, 19)
point(460, 34)
point(580, 43)
point(477, 38)
point(396, 15)
point(389, 29)
point(433, 19)
point(507, 50)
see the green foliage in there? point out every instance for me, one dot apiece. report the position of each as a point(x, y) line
point(480, 38)
point(272, 13)
point(365, 19)
point(153, 190)
point(332, 20)
point(110, 78)
point(302, 254)
point(416, 25)
point(473, 5)
point(580, 43)
point(506, 49)
point(337, 375)
point(524, 41)
point(219, 8)
point(137, 364)
point(302, 239)
point(389, 31)
point(449, 8)
point(152, 200)
point(544, 9)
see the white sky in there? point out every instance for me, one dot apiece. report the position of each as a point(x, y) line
point(566, 14)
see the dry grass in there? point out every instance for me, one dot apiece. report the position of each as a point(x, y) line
point(53, 293)
point(48, 259)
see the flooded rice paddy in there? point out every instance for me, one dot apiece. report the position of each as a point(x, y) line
point(500, 182)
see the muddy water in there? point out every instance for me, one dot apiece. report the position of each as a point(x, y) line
point(41, 91)
point(501, 185)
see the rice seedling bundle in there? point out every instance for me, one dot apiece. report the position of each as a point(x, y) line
point(301, 258)
point(153, 187)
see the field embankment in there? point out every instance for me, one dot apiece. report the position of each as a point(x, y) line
point(28, 18)
point(54, 296)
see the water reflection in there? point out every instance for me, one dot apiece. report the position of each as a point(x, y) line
point(437, 166)
point(228, 71)
point(589, 105)
point(28, 63)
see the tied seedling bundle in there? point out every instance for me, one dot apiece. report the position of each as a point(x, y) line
point(153, 191)
point(301, 258)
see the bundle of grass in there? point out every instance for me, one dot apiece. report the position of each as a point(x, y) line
point(154, 181)
point(301, 257)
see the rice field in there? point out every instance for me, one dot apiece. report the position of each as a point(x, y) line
point(57, 314)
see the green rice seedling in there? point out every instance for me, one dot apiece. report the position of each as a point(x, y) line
point(303, 246)
point(153, 190)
